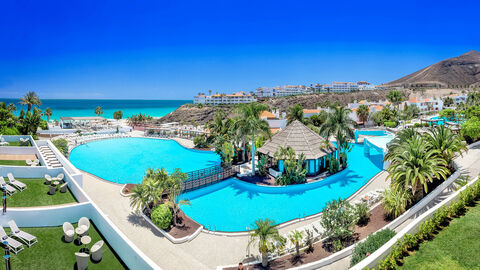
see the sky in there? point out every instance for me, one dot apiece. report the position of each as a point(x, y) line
point(175, 49)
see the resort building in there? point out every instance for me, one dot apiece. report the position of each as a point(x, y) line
point(275, 122)
point(282, 91)
point(302, 140)
point(457, 99)
point(220, 99)
point(307, 113)
point(426, 104)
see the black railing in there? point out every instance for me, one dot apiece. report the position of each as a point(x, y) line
point(207, 176)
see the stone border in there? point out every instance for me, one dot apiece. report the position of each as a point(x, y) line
point(172, 239)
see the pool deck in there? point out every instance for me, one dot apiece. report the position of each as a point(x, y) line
point(206, 251)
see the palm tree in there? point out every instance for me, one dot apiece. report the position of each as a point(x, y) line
point(338, 123)
point(295, 112)
point(400, 138)
point(296, 238)
point(396, 200)
point(446, 142)
point(264, 234)
point(415, 164)
point(250, 125)
point(98, 111)
point(48, 113)
point(30, 99)
point(174, 186)
point(395, 97)
point(139, 198)
point(362, 113)
point(11, 107)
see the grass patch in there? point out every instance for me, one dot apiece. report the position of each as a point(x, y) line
point(51, 252)
point(36, 195)
point(18, 144)
point(13, 162)
point(455, 247)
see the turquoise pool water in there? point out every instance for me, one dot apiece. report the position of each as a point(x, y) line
point(233, 205)
point(442, 122)
point(126, 160)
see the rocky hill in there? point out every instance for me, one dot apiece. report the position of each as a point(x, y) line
point(460, 71)
point(191, 113)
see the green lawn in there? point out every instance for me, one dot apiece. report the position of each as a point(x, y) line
point(455, 247)
point(17, 144)
point(36, 195)
point(13, 162)
point(51, 252)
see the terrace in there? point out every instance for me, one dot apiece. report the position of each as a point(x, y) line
point(36, 194)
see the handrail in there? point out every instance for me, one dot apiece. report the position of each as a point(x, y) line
point(206, 176)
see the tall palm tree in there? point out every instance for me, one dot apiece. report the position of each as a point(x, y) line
point(250, 125)
point(295, 112)
point(362, 113)
point(338, 123)
point(30, 99)
point(264, 234)
point(401, 137)
point(139, 198)
point(174, 187)
point(48, 113)
point(395, 97)
point(98, 111)
point(446, 142)
point(415, 164)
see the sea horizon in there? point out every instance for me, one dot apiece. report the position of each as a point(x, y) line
point(86, 107)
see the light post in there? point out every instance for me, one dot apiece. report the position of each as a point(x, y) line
point(7, 256)
point(4, 199)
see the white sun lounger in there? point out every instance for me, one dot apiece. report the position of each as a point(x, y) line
point(10, 189)
point(14, 245)
point(23, 236)
point(19, 185)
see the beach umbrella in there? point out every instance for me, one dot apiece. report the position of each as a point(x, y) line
point(7, 256)
point(4, 199)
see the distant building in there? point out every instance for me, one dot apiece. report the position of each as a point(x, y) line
point(274, 121)
point(365, 86)
point(282, 91)
point(220, 99)
point(426, 104)
point(457, 99)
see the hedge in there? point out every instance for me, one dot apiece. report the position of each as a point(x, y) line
point(370, 245)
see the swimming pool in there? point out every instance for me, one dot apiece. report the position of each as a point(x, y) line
point(126, 160)
point(233, 205)
point(442, 122)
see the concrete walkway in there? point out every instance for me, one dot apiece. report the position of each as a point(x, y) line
point(206, 251)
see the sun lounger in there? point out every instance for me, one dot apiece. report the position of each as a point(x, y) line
point(14, 245)
point(10, 189)
point(19, 185)
point(23, 236)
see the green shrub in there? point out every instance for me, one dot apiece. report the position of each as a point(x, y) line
point(200, 142)
point(338, 219)
point(363, 213)
point(370, 245)
point(62, 146)
point(162, 216)
point(390, 124)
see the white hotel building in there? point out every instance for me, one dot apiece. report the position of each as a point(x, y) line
point(220, 99)
point(282, 91)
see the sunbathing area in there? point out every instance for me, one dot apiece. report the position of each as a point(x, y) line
point(49, 248)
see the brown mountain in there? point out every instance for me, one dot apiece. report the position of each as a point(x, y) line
point(460, 71)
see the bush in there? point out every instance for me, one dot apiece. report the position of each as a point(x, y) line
point(118, 115)
point(370, 245)
point(390, 124)
point(471, 129)
point(200, 142)
point(162, 216)
point(62, 146)
point(363, 213)
point(396, 200)
point(338, 219)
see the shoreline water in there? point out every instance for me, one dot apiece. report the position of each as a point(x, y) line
point(86, 107)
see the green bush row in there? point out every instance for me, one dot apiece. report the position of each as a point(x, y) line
point(428, 228)
point(372, 243)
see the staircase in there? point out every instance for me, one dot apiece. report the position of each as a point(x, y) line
point(49, 157)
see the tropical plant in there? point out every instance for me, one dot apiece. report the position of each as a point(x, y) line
point(470, 129)
point(30, 99)
point(250, 125)
point(362, 212)
point(295, 170)
point(338, 219)
point(295, 112)
point(309, 240)
point(338, 124)
point(262, 165)
point(117, 115)
point(295, 238)
point(363, 111)
point(396, 200)
point(139, 198)
point(11, 107)
point(98, 111)
point(264, 235)
point(449, 145)
point(48, 113)
point(31, 122)
point(174, 186)
point(414, 164)
point(200, 142)
point(227, 153)
point(162, 216)
point(62, 146)
point(447, 114)
point(395, 97)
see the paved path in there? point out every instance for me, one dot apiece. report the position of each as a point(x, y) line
point(206, 251)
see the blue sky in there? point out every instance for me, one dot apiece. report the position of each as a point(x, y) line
point(174, 49)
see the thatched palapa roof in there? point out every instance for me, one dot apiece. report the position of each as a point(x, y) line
point(300, 138)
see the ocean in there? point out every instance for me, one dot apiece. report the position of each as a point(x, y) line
point(86, 107)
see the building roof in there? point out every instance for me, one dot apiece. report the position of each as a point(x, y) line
point(267, 114)
point(311, 111)
point(300, 138)
point(83, 118)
